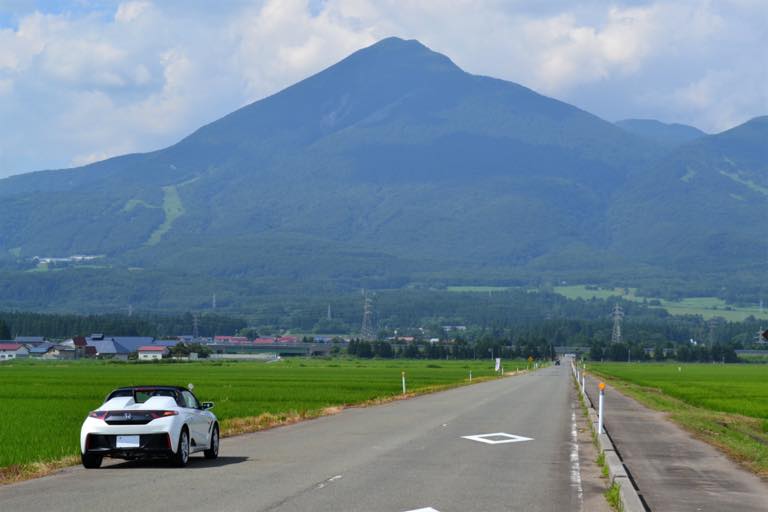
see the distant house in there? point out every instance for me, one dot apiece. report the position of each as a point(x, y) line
point(38, 349)
point(13, 351)
point(80, 346)
point(30, 340)
point(232, 340)
point(118, 347)
point(152, 352)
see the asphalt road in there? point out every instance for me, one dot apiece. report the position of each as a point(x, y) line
point(403, 456)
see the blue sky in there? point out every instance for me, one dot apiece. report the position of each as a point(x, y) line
point(83, 80)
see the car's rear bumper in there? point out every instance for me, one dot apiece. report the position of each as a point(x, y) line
point(95, 427)
point(150, 446)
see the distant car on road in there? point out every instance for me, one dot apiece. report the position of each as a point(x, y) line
point(149, 422)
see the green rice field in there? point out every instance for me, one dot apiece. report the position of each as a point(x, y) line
point(707, 307)
point(724, 405)
point(44, 403)
point(732, 388)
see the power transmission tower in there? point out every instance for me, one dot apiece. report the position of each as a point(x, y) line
point(213, 302)
point(195, 327)
point(618, 316)
point(367, 331)
point(713, 324)
point(329, 316)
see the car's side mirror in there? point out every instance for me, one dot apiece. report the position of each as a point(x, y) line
point(207, 405)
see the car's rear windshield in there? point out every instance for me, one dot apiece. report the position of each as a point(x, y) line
point(142, 395)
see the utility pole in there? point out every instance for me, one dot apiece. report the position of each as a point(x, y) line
point(195, 327)
point(329, 317)
point(213, 302)
point(618, 316)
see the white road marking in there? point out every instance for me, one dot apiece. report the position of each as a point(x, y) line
point(575, 466)
point(428, 509)
point(332, 479)
point(508, 438)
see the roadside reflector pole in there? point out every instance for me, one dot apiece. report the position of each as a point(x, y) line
point(470, 375)
point(584, 386)
point(600, 411)
point(403, 375)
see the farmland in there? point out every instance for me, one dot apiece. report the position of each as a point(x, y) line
point(726, 405)
point(44, 403)
point(707, 307)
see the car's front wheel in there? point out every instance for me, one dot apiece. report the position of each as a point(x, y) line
point(181, 457)
point(90, 460)
point(213, 451)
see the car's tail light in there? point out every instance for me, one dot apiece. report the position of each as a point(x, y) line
point(99, 415)
point(161, 414)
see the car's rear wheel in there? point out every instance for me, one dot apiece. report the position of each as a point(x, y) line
point(90, 460)
point(213, 451)
point(181, 457)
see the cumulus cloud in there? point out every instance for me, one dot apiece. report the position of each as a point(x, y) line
point(99, 79)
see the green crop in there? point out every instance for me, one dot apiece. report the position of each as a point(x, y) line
point(731, 388)
point(43, 403)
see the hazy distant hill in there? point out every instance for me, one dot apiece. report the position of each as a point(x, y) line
point(389, 167)
point(666, 134)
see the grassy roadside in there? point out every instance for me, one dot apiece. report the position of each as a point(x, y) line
point(243, 425)
point(742, 438)
point(612, 493)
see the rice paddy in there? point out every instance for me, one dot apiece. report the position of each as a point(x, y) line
point(43, 403)
point(725, 405)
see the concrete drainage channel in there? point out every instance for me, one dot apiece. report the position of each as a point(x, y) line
point(631, 499)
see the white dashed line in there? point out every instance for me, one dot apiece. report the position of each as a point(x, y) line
point(575, 466)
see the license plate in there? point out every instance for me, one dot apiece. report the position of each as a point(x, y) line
point(127, 442)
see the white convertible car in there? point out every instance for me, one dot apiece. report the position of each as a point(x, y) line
point(148, 422)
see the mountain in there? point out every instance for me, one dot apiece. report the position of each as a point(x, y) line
point(390, 168)
point(666, 134)
point(705, 204)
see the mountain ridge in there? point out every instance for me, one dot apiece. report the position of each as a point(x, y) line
point(392, 166)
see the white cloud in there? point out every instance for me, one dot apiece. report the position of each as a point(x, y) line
point(129, 11)
point(147, 73)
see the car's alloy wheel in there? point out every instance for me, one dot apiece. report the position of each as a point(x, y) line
point(213, 451)
point(181, 457)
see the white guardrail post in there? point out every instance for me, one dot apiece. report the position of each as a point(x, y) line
point(600, 409)
point(403, 375)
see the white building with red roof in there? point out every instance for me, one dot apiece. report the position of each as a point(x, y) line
point(13, 351)
point(152, 352)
